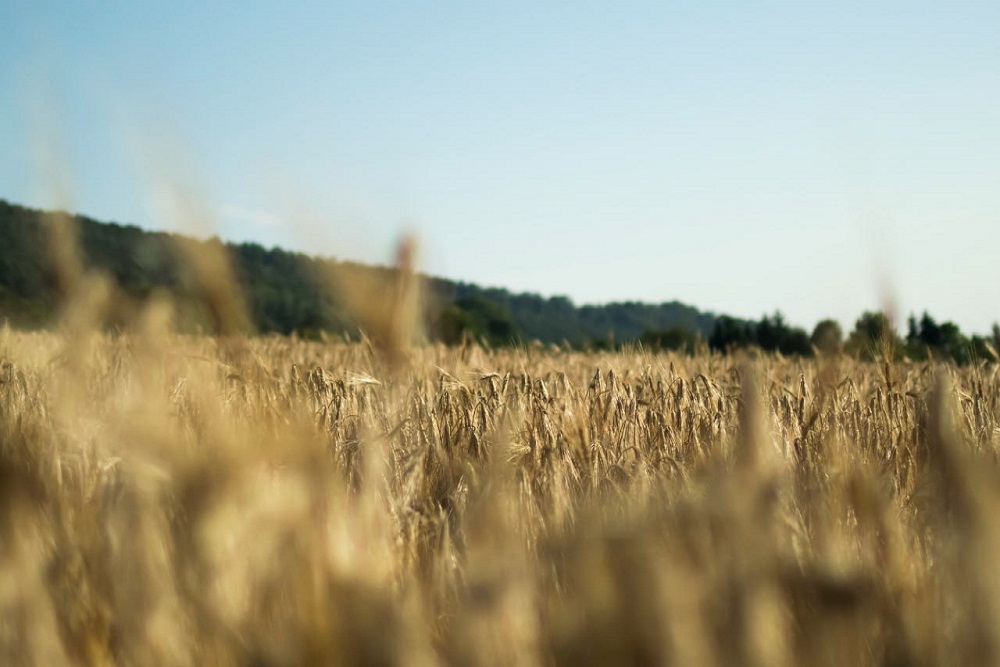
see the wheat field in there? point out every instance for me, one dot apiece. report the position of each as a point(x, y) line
point(182, 500)
point(227, 499)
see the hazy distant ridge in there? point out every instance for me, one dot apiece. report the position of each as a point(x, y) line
point(282, 292)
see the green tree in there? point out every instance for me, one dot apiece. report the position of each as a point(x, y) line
point(773, 334)
point(730, 333)
point(675, 338)
point(874, 337)
point(477, 318)
point(927, 339)
point(827, 336)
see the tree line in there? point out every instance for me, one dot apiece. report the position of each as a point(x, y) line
point(284, 294)
point(284, 291)
point(873, 337)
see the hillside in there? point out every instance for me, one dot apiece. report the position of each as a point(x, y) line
point(284, 295)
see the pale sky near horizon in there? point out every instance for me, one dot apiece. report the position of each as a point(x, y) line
point(741, 157)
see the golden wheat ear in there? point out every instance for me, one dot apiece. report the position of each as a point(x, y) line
point(386, 303)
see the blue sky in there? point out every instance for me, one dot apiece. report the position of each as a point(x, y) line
point(821, 159)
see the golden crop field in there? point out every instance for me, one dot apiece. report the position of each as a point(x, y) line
point(171, 500)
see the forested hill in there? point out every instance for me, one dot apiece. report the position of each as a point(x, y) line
point(284, 294)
